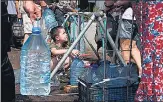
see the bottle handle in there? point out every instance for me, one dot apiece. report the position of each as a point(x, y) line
point(20, 20)
point(37, 22)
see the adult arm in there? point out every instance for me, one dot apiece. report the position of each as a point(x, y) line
point(32, 9)
point(17, 9)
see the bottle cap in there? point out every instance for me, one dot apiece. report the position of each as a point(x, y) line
point(36, 30)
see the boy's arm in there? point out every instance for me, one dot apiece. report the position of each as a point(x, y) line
point(55, 51)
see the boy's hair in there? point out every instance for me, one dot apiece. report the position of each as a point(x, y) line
point(55, 31)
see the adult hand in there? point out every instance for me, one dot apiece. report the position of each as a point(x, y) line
point(19, 15)
point(32, 10)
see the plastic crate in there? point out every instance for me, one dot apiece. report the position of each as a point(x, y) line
point(112, 94)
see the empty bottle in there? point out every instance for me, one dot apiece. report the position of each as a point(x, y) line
point(86, 76)
point(97, 77)
point(76, 69)
point(49, 17)
point(35, 65)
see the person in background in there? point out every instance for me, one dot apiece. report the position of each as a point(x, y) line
point(7, 73)
point(59, 47)
point(61, 7)
point(11, 11)
point(21, 12)
point(26, 20)
point(126, 31)
point(126, 34)
point(149, 16)
point(12, 17)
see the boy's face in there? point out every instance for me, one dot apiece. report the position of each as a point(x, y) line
point(62, 36)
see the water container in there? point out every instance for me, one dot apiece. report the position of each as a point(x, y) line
point(35, 65)
point(97, 76)
point(114, 71)
point(76, 69)
point(49, 17)
point(86, 75)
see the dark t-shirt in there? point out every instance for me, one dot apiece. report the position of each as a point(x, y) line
point(5, 31)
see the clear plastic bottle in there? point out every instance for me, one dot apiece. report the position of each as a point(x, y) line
point(76, 69)
point(86, 75)
point(97, 76)
point(35, 65)
point(49, 17)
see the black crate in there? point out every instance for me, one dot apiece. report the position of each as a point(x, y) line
point(112, 94)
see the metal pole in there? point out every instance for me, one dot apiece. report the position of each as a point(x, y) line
point(63, 24)
point(111, 41)
point(79, 29)
point(75, 20)
point(104, 54)
point(72, 46)
point(86, 13)
point(118, 33)
point(96, 53)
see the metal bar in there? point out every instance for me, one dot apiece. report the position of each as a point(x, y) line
point(72, 46)
point(110, 79)
point(118, 33)
point(63, 24)
point(87, 13)
point(96, 53)
point(79, 29)
point(112, 42)
point(104, 54)
point(75, 20)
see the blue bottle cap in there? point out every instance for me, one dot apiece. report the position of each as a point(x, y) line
point(36, 30)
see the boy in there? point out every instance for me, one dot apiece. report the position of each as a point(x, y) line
point(59, 47)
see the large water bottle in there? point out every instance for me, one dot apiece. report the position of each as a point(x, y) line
point(97, 73)
point(76, 69)
point(35, 65)
point(97, 77)
point(49, 17)
point(86, 76)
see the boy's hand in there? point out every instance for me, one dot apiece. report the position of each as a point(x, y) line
point(75, 53)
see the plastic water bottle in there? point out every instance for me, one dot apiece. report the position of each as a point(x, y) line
point(44, 30)
point(86, 75)
point(76, 69)
point(35, 65)
point(97, 76)
point(49, 17)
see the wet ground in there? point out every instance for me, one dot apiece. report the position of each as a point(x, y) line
point(56, 95)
